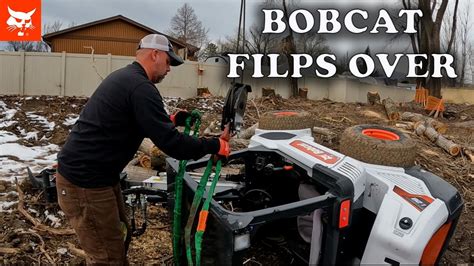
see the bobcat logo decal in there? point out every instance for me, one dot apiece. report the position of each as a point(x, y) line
point(20, 21)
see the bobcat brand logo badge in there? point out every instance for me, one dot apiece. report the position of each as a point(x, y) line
point(315, 152)
point(20, 20)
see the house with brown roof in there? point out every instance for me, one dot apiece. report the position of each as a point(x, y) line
point(116, 35)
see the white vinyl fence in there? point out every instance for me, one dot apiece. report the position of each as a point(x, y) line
point(28, 73)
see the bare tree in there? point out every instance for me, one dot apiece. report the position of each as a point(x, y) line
point(186, 27)
point(26, 46)
point(446, 34)
point(311, 43)
point(289, 48)
point(258, 42)
point(427, 40)
point(465, 46)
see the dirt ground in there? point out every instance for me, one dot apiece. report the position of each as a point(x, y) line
point(21, 243)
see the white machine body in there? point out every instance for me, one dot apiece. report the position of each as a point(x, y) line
point(407, 215)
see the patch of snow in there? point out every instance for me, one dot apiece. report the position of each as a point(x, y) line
point(6, 115)
point(71, 120)
point(41, 120)
point(9, 113)
point(9, 166)
point(6, 137)
point(28, 135)
point(14, 158)
point(6, 205)
point(29, 98)
point(7, 124)
point(55, 221)
point(9, 193)
point(26, 153)
point(33, 211)
point(61, 251)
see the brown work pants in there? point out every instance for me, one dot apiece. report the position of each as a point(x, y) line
point(96, 215)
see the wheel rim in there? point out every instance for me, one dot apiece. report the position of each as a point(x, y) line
point(380, 134)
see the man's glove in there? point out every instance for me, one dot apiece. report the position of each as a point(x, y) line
point(179, 118)
point(224, 146)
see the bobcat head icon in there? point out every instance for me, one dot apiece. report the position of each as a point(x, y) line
point(20, 21)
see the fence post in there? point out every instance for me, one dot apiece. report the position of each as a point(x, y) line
point(62, 86)
point(109, 63)
point(22, 73)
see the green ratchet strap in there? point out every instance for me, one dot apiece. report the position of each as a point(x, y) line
point(196, 115)
point(201, 227)
point(194, 207)
point(203, 214)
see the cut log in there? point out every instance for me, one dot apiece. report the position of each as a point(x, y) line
point(405, 125)
point(237, 144)
point(145, 161)
point(76, 251)
point(391, 109)
point(209, 131)
point(373, 97)
point(415, 117)
point(323, 131)
point(469, 151)
point(431, 133)
point(155, 157)
point(203, 92)
point(137, 173)
point(146, 146)
point(268, 92)
point(303, 93)
point(248, 133)
point(9, 250)
point(449, 146)
point(134, 161)
point(466, 124)
point(422, 129)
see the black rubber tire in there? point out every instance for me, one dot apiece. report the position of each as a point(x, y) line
point(400, 153)
point(291, 121)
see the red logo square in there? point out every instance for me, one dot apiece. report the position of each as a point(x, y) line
point(20, 20)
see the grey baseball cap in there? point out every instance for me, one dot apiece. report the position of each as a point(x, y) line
point(160, 42)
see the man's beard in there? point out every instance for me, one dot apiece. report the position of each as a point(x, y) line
point(158, 79)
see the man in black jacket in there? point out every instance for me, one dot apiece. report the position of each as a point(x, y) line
point(125, 108)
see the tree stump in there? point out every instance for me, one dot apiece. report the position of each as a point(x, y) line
point(268, 92)
point(391, 109)
point(373, 97)
point(303, 93)
point(203, 92)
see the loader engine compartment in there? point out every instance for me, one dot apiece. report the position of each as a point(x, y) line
point(265, 180)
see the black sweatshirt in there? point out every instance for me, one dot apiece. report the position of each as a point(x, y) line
point(125, 108)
